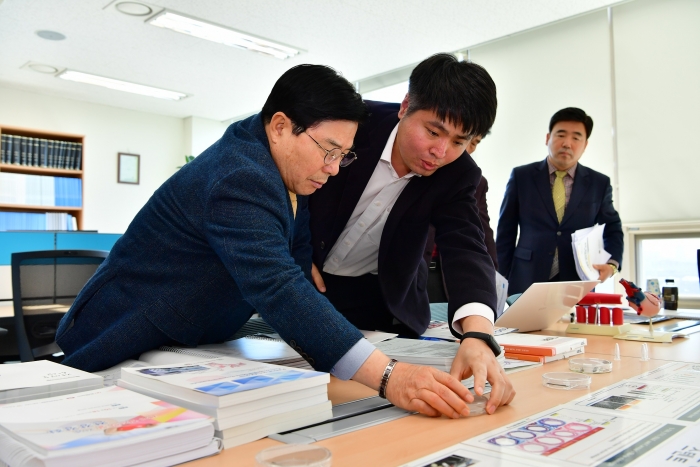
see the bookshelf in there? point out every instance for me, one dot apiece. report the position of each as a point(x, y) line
point(56, 155)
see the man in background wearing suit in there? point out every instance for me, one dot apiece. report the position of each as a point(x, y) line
point(369, 225)
point(550, 200)
point(225, 236)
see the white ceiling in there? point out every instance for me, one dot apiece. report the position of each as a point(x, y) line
point(360, 38)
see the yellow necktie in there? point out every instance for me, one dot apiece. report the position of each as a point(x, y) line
point(559, 194)
point(293, 199)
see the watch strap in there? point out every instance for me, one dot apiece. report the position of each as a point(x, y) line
point(487, 338)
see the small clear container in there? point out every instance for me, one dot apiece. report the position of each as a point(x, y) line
point(478, 407)
point(566, 381)
point(294, 455)
point(590, 365)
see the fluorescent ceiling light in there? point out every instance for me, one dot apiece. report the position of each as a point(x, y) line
point(214, 33)
point(118, 85)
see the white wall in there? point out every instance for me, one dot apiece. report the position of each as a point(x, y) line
point(657, 56)
point(200, 133)
point(657, 65)
point(536, 74)
point(108, 206)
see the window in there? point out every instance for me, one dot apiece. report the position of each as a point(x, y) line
point(394, 93)
point(669, 256)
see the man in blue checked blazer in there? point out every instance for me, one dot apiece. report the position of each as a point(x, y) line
point(228, 234)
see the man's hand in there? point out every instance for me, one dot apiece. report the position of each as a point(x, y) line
point(606, 271)
point(475, 358)
point(318, 280)
point(416, 388)
point(428, 391)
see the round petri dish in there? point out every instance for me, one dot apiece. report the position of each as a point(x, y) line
point(294, 455)
point(478, 407)
point(590, 365)
point(566, 381)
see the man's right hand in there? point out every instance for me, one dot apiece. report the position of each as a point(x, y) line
point(429, 391)
point(417, 388)
point(318, 280)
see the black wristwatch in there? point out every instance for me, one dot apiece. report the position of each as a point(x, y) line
point(488, 338)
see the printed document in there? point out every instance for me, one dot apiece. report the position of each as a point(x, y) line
point(589, 249)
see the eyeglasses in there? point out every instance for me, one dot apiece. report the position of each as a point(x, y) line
point(333, 154)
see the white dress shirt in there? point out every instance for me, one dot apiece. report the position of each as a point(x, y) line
point(357, 249)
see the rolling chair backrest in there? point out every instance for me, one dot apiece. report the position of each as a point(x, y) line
point(44, 285)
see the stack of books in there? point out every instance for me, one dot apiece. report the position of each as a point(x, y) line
point(105, 427)
point(438, 354)
point(40, 190)
point(256, 348)
point(249, 400)
point(540, 348)
point(41, 379)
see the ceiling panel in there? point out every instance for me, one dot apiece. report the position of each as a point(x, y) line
point(360, 38)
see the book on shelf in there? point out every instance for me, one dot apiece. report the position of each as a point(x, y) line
point(249, 400)
point(106, 427)
point(537, 344)
point(4, 140)
point(40, 190)
point(16, 149)
point(545, 359)
point(41, 152)
point(43, 378)
point(37, 221)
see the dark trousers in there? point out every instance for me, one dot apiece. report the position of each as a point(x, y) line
point(360, 300)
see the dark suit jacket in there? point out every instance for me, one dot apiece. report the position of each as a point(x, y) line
point(528, 205)
point(215, 241)
point(444, 199)
point(437, 292)
point(481, 189)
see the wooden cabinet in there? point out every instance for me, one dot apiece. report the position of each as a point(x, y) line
point(57, 158)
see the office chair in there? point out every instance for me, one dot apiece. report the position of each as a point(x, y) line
point(44, 285)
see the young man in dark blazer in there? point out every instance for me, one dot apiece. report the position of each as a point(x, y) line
point(543, 252)
point(369, 225)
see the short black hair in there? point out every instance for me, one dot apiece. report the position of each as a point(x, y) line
point(461, 92)
point(311, 94)
point(572, 114)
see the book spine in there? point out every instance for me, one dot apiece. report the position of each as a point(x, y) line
point(35, 152)
point(78, 156)
point(3, 148)
point(8, 149)
point(68, 163)
point(525, 358)
point(61, 154)
point(530, 350)
point(51, 153)
point(23, 150)
point(16, 149)
point(43, 151)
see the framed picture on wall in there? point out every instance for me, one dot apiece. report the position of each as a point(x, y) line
point(128, 167)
